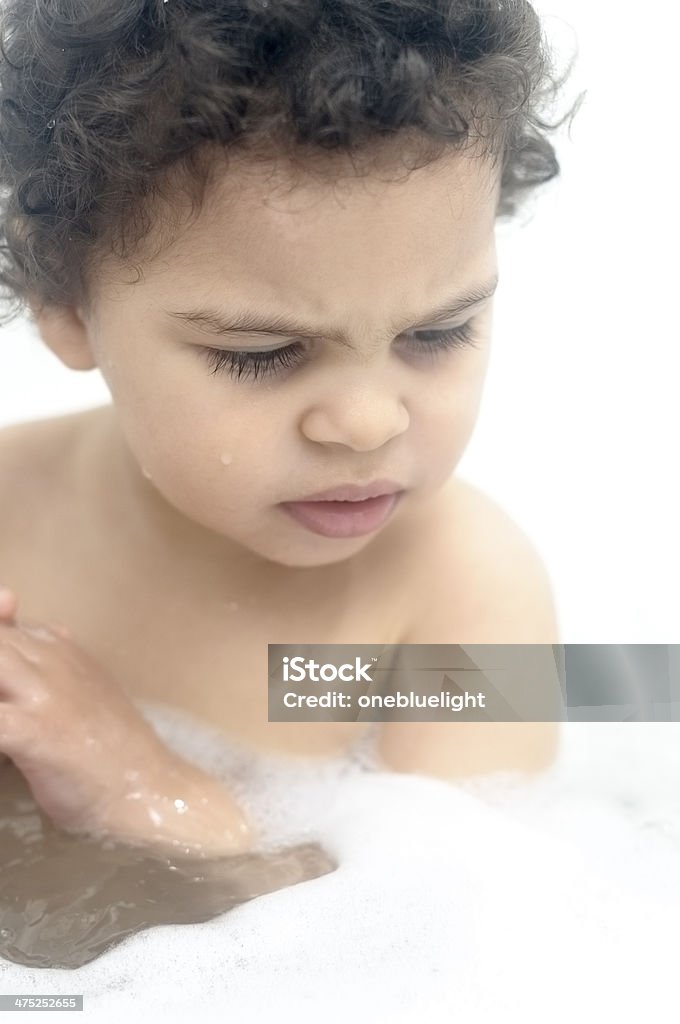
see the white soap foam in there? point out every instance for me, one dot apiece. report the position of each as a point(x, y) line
point(496, 899)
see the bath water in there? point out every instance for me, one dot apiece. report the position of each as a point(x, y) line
point(503, 898)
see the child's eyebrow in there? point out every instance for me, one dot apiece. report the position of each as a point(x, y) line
point(244, 321)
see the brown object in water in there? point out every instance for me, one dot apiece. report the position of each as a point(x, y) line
point(65, 899)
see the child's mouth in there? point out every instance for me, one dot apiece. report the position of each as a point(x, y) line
point(343, 518)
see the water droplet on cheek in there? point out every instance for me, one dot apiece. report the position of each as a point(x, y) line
point(225, 459)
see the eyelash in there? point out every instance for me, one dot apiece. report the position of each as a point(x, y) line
point(248, 364)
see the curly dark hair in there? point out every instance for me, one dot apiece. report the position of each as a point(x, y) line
point(110, 107)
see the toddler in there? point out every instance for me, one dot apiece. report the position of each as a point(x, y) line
point(270, 227)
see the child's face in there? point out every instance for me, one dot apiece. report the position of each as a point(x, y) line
point(371, 260)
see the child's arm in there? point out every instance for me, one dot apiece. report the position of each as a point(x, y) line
point(95, 766)
point(91, 760)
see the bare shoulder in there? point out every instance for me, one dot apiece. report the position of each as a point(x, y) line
point(33, 456)
point(483, 577)
point(476, 528)
point(480, 581)
point(36, 443)
point(19, 440)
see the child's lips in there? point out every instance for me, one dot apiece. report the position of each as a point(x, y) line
point(344, 518)
point(355, 492)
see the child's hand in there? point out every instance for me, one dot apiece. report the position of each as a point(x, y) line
point(91, 760)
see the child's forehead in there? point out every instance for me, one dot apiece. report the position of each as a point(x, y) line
point(268, 221)
point(245, 210)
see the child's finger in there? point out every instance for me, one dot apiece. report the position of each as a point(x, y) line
point(8, 612)
point(8, 604)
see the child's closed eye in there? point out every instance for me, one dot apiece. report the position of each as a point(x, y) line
point(246, 363)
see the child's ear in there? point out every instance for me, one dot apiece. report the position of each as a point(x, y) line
point(65, 333)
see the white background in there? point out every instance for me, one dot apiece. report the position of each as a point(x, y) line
point(577, 433)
